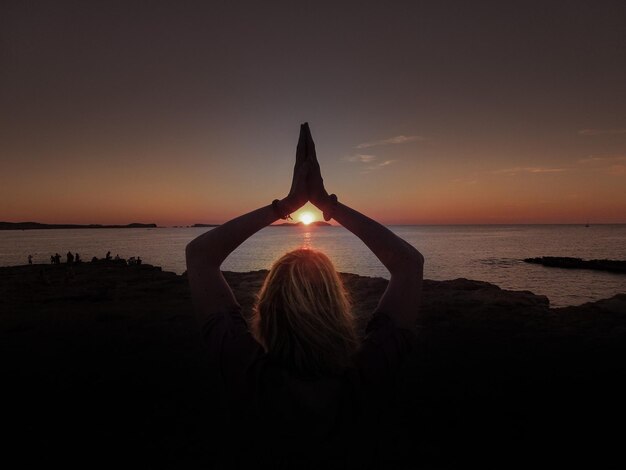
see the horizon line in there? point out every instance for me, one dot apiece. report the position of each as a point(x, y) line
point(332, 224)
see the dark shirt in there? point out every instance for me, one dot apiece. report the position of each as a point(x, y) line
point(276, 419)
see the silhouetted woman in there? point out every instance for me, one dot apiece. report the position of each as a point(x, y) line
point(301, 389)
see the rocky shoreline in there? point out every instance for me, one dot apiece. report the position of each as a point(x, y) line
point(104, 360)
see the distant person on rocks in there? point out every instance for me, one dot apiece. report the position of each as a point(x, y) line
point(57, 259)
point(138, 259)
point(108, 256)
point(77, 258)
point(117, 257)
point(70, 257)
point(52, 260)
point(298, 379)
point(30, 259)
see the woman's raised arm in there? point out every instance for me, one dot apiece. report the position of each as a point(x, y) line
point(405, 263)
point(205, 254)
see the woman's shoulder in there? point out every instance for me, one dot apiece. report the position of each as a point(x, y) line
point(225, 322)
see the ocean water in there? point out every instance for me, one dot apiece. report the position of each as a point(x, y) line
point(487, 253)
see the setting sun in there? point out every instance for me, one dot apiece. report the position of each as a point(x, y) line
point(306, 218)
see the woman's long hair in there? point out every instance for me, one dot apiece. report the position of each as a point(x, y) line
point(303, 317)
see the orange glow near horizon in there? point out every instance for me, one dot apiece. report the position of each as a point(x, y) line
point(409, 191)
point(441, 209)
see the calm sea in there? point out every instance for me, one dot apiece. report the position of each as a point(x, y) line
point(486, 253)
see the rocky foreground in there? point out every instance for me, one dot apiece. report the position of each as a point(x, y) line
point(103, 363)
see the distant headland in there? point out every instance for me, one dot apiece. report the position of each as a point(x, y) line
point(614, 266)
point(39, 226)
point(317, 223)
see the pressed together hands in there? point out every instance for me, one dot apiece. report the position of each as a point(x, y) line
point(307, 183)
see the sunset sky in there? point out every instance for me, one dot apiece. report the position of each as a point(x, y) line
point(423, 112)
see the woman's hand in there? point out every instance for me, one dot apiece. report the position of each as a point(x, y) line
point(315, 183)
point(298, 194)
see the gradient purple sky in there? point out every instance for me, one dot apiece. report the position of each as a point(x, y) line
point(423, 112)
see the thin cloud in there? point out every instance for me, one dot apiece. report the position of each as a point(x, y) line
point(371, 160)
point(361, 158)
point(399, 139)
point(527, 169)
point(613, 165)
point(601, 131)
point(379, 166)
point(603, 159)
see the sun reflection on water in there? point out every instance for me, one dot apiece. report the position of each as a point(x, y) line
point(307, 241)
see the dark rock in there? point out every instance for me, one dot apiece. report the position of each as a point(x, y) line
point(113, 365)
point(615, 266)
